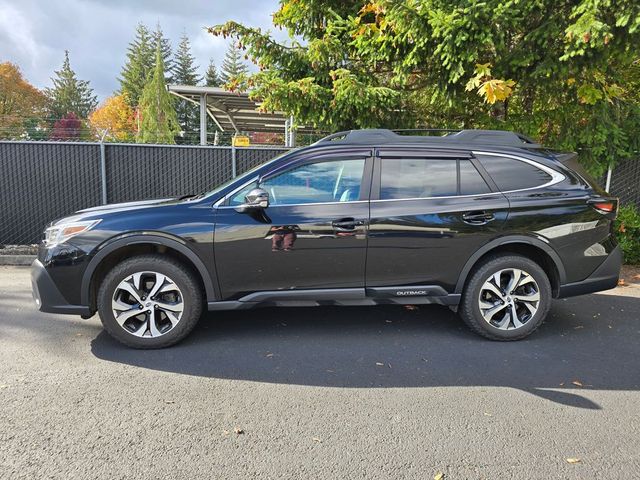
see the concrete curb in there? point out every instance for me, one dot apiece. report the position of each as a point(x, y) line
point(17, 259)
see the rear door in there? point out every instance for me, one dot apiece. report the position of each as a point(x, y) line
point(429, 212)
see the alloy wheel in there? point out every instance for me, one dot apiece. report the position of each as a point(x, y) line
point(509, 299)
point(147, 304)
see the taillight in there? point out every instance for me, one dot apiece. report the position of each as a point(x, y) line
point(605, 205)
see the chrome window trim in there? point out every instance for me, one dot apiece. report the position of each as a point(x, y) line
point(303, 204)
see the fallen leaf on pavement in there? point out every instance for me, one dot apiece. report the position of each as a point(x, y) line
point(169, 401)
point(573, 460)
point(238, 431)
point(438, 476)
point(577, 383)
point(316, 439)
point(621, 283)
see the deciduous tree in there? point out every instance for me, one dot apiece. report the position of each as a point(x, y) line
point(19, 101)
point(114, 120)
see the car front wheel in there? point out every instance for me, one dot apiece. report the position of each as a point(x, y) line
point(149, 301)
point(506, 298)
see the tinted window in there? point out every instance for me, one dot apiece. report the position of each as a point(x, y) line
point(417, 178)
point(471, 183)
point(511, 174)
point(331, 181)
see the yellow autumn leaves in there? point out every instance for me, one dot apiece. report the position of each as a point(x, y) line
point(490, 89)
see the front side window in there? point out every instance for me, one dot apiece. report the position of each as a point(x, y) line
point(511, 174)
point(319, 182)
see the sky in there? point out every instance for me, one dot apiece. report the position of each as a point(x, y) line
point(35, 33)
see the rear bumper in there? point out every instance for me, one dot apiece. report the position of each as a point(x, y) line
point(604, 277)
point(47, 296)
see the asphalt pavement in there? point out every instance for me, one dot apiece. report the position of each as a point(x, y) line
point(305, 393)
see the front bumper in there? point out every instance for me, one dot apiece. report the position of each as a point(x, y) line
point(47, 296)
point(604, 277)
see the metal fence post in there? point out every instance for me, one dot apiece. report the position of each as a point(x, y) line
point(103, 172)
point(608, 182)
point(233, 161)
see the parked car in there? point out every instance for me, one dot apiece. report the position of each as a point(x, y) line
point(486, 222)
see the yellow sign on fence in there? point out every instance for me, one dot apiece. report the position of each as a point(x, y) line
point(241, 141)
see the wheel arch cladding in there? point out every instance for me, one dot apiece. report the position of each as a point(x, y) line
point(117, 250)
point(530, 247)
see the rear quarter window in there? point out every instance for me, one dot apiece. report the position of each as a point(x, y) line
point(512, 174)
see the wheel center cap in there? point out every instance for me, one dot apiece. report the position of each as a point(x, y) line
point(509, 299)
point(148, 304)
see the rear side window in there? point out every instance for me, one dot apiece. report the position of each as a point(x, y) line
point(512, 174)
point(417, 178)
point(427, 177)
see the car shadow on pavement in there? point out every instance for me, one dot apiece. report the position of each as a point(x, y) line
point(588, 342)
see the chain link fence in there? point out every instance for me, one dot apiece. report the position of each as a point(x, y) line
point(41, 181)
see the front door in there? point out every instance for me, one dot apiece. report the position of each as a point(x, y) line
point(429, 213)
point(313, 235)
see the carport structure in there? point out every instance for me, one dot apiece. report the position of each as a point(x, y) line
point(233, 112)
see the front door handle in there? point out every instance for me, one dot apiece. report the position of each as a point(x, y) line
point(346, 224)
point(478, 218)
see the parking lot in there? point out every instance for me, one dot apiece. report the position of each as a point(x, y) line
point(384, 392)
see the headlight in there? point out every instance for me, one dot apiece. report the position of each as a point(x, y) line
point(64, 231)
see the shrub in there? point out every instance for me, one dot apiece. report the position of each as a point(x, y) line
point(628, 233)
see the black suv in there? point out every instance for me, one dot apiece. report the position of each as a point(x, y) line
point(485, 222)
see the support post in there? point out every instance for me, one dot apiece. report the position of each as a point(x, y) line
point(103, 170)
point(608, 184)
point(292, 132)
point(286, 132)
point(203, 119)
point(234, 165)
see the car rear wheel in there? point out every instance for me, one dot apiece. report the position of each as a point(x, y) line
point(506, 298)
point(149, 302)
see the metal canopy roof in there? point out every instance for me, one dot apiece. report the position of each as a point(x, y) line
point(231, 111)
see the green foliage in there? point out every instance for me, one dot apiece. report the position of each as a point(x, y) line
point(70, 95)
point(159, 123)
point(212, 77)
point(628, 233)
point(565, 72)
point(233, 68)
point(185, 72)
point(141, 61)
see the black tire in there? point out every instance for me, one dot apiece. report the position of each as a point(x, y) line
point(470, 304)
point(190, 297)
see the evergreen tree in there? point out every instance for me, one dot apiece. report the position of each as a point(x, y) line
point(232, 65)
point(158, 118)
point(70, 95)
point(185, 72)
point(211, 76)
point(165, 52)
point(139, 65)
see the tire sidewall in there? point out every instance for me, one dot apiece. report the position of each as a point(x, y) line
point(191, 298)
point(472, 294)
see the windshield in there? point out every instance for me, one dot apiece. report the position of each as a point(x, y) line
point(245, 176)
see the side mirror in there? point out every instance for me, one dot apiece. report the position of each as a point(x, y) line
point(255, 199)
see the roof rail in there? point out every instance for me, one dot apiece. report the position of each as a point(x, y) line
point(471, 137)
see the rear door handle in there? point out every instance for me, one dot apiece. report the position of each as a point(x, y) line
point(478, 218)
